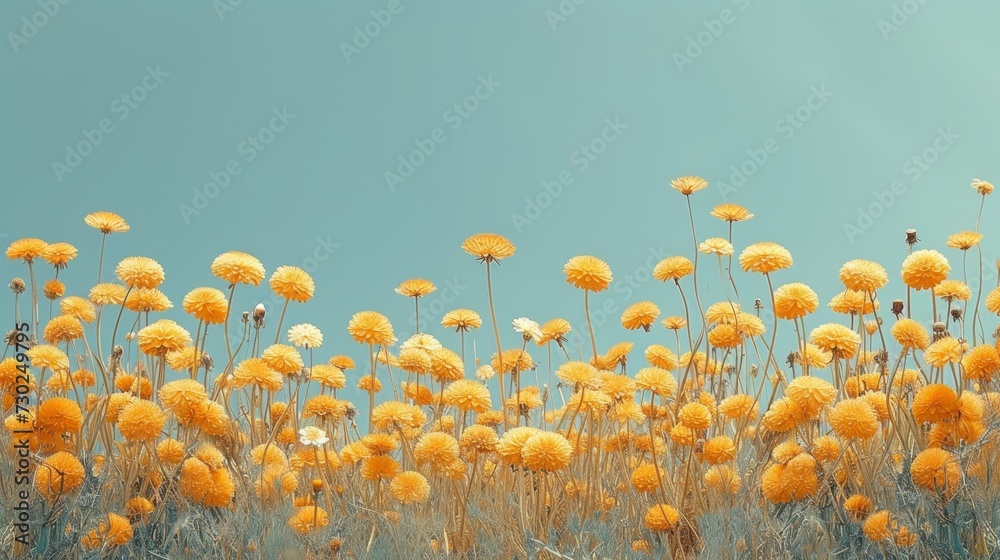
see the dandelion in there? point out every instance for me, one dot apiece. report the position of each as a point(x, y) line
point(528, 328)
point(462, 320)
point(488, 247)
point(716, 246)
point(640, 315)
point(58, 475)
point(546, 451)
point(765, 258)
point(910, 334)
point(793, 301)
point(661, 518)
point(863, 276)
point(853, 419)
point(688, 185)
point(58, 254)
point(934, 403)
point(140, 272)
point(409, 487)
point(673, 268)
point(936, 470)
point(26, 249)
point(925, 269)
point(588, 273)
point(370, 327)
point(731, 213)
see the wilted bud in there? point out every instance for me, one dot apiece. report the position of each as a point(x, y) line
point(206, 362)
point(246, 317)
point(956, 314)
point(897, 307)
point(17, 286)
point(911, 237)
point(757, 304)
point(258, 315)
point(130, 336)
point(940, 331)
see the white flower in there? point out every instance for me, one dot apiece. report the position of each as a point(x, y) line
point(305, 335)
point(528, 327)
point(485, 372)
point(311, 435)
point(422, 341)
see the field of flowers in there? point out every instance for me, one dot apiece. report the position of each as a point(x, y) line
point(127, 435)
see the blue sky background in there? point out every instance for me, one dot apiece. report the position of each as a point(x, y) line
point(700, 87)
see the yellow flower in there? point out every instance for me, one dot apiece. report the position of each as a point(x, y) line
point(795, 300)
point(765, 257)
point(26, 249)
point(853, 418)
point(461, 320)
point(689, 184)
point(415, 287)
point(409, 487)
point(78, 307)
point(925, 269)
point(163, 336)
point(640, 315)
point(673, 268)
point(59, 254)
point(863, 276)
point(588, 273)
point(256, 372)
point(466, 395)
point(937, 470)
point(107, 294)
point(370, 327)
point(546, 451)
point(307, 519)
point(944, 351)
point(64, 328)
point(206, 304)
point(292, 283)
point(964, 240)
point(59, 474)
point(662, 517)
point(142, 300)
point(488, 247)
point(141, 420)
point(837, 339)
point(934, 403)
point(731, 213)
point(910, 334)
point(140, 272)
point(106, 222)
point(237, 267)
point(952, 290)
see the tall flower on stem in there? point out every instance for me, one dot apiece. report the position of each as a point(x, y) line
point(489, 248)
point(293, 284)
point(371, 328)
point(107, 223)
point(236, 267)
point(26, 250)
point(416, 288)
point(463, 321)
point(764, 258)
point(687, 186)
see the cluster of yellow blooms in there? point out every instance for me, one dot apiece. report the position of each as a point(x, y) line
point(680, 437)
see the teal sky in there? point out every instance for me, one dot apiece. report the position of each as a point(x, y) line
point(872, 120)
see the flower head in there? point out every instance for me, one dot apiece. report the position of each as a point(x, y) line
point(546, 451)
point(59, 254)
point(409, 487)
point(488, 247)
point(140, 272)
point(312, 436)
point(795, 300)
point(640, 315)
point(731, 213)
point(765, 257)
point(925, 269)
point(237, 267)
point(206, 304)
point(982, 187)
point(588, 273)
point(26, 249)
point(415, 287)
point(964, 240)
point(106, 222)
point(673, 268)
point(163, 336)
point(461, 320)
point(370, 327)
point(716, 246)
point(688, 185)
point(305, 335)
point(528, 328)
point(292, 283)
point(863, 276)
